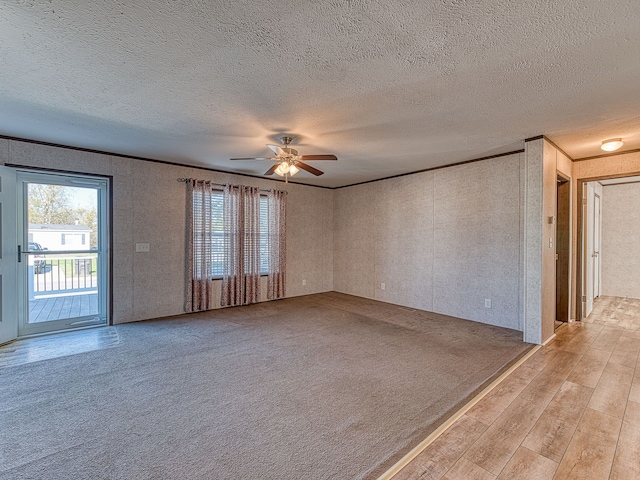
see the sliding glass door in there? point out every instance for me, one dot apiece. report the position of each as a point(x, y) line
point(62, 264)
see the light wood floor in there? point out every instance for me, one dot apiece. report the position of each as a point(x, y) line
point(572, 410)
point(616, 312)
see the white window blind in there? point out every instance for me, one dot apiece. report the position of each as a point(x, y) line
point(264, 235)
point(217, 233)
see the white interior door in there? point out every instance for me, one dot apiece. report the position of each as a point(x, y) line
point(587, 278)
point(8, 256)
point(596, 246)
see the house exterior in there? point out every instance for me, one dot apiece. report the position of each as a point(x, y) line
point(61, 237)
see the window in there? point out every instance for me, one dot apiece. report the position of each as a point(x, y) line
point(217, 233)
point(72, 239)
point(264, 235)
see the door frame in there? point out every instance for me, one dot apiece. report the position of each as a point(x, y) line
point(597, 246)
point(106, 238)
point(588, 208)
point(580, 233)
point(8, 256)
point(565, 179)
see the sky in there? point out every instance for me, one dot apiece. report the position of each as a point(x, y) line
point(83, 197)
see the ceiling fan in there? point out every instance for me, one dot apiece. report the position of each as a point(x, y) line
point(288, 162)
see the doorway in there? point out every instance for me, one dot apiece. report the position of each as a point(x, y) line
point(608, 270)
point(62, 233)
point(563, 248)
point(591, 237)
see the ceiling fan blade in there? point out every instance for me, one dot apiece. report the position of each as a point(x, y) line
point(251, 158)
point(272, 170)
point(308, 168)
point(318, 157)
point(276, 149)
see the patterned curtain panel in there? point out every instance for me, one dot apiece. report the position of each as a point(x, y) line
point(200, 222)
point(241, 259)
point(277, 244)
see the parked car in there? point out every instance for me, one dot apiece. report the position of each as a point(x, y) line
point(39, 266)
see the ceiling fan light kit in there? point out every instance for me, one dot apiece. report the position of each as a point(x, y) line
point(285, 168)
point(288, 162)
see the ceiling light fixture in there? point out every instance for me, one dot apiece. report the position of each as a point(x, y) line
point(612, 144)
point(287, 162)
point(287, 166)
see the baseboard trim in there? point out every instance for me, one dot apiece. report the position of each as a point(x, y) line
point(404, 461)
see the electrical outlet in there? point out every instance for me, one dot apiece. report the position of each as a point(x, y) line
point(142, 247)
point(304, 282)
point(382, 286)
point(487, 303)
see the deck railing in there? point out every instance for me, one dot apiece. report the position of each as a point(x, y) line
point(63, 274)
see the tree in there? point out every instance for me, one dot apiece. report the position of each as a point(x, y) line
point(49, 204)
point(88, 218)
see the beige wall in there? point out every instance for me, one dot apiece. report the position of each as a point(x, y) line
point(550, 167)
point(555, 161)
point(620, 248)
point(443, 240)
point(543, 161)
point(535, 243)
point(149, 206)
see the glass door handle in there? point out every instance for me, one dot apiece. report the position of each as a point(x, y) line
point(27, 252)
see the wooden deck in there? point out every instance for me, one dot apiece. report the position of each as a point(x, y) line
point(56, 308)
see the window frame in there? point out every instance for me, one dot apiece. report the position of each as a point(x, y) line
point(264, 236)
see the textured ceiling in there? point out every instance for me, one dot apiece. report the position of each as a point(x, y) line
point(389, 87)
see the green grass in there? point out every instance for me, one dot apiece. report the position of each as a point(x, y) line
point(68, 266)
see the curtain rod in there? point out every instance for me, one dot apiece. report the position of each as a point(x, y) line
point(185, 180)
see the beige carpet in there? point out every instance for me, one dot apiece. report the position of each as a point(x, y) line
point(323, 386)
